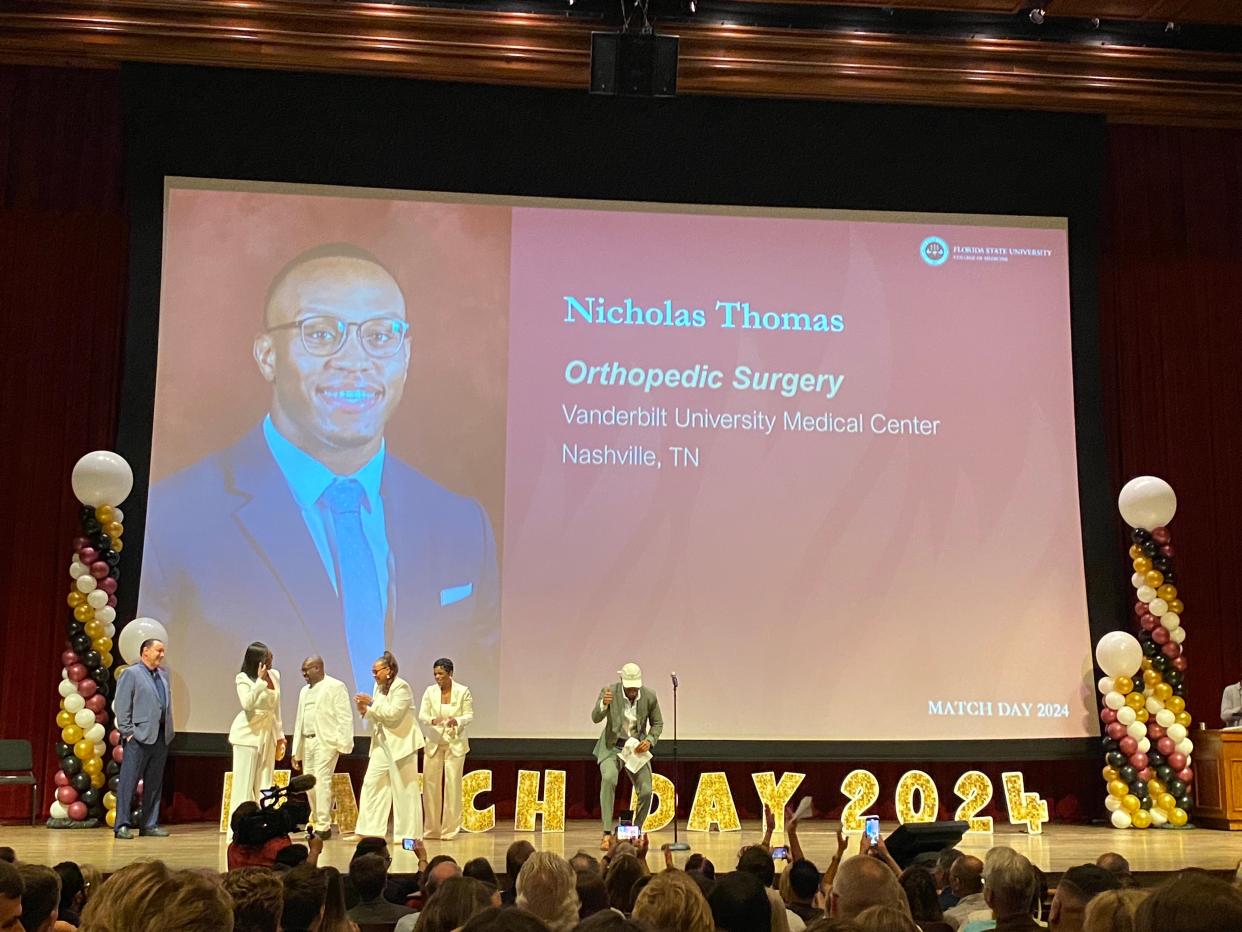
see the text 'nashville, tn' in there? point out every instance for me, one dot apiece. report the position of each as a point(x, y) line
point(753, 421)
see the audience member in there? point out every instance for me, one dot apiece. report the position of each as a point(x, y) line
point(130, 899)
point(966, 885)
point(1113, 862)
point(8, 855)
point(1113, 910)
point(441, 868)
point(335, 914)
point(397, 888)
point(739, 903)
point(368, 875)
point(832, 924)
point(505, 919)
point(480, 869)
point(192, 901)
point(585, 862)
point(803, 878)
point(697, 862)
point(1193, 901)
point(248, 848)
point(944, 861)
point(11, 889)
point(515, 857)
point(455, 900)
point(919, 886)
point(306, 893)
point(547, 887)
point(757, 860)
point(862, 882)
point(592, 894)
point(885, 919)
point(92, 879)
point(1009, 887)
point(40, 897)
point(673, 901)
point(623, 872)
point(258, 899)
point(1077, 887)
point(609, 921)
point(72, 892)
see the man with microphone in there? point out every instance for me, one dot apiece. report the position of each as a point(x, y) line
point(631, 716)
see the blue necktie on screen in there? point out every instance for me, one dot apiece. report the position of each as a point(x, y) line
point(357, 579)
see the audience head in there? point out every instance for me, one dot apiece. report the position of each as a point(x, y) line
point(1115, 863)
point(696, 862)
point(803, 881)
point(241, 826)
point(11, 889)
point(258, 899)
point(335, 916)
point(7, 854)
point(441, 868)
point(1077, 887)
point(757, 860)
point(515, 857)
point(585, 862)
point(370, 844)
point(861, 882)
point(456, 899)
point(885, 919)
point(623, 872)
point(481, 870)
point(40, 897)
point(72, 887)
point(368, 874)
point(306, 892)
point(609, 921)
point(130, 899)
point(739, 903)
point(673, 901)
point(292, 856)
point(966, 875)
point(592, 894)
point(547, 887)
point(498, 919)
point(944, 860)
point(1113, 910)
point(193, 901)
point(1193, 901)
point(1010, 886)
point(831, 924)
point(92, 880)
point(919, 885)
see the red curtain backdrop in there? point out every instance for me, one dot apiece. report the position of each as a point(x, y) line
point(1170, 275)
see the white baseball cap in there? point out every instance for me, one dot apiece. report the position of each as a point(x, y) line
point(631, 676)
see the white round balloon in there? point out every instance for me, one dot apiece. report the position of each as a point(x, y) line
point(1153, 705)
point(1126, 715)
point(1121, 819)
point(107, 615)
point(102, 478)
point(1114, 700)
point(1147, 502)
point(1105, 684)
point(1144, 744)
point(95, 732)
point(1119, 654)
point(84, 718)
point(1171, 620)
point(137, 631)
point(1177, 635)
point(1176, 732)
point(1165, 719)
point(1158, 607)
point(74, 703)
point(97, 599)
point(1136, 730)
point(118, 516)
point(57, 810)
point(1185, 746)
point(66, 687)
point(1145, 593)
point(77, 569)
point(1112, 803)
point(1157, 816)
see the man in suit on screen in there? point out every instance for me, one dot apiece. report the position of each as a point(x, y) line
point(307, 530)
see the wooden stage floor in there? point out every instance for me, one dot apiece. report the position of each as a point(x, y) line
point(1060, 847)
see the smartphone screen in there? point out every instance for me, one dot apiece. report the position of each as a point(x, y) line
point(780, 852)
point(873, 829)
point(409, 843)
point(627, 832)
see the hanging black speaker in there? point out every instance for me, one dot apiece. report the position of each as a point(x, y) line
point(633, 64)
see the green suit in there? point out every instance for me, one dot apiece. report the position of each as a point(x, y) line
point(647, 726)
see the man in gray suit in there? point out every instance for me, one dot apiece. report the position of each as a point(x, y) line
point(143, 709)
point(628, 710)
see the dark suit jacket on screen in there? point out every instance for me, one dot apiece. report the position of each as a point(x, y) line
point(228, 560)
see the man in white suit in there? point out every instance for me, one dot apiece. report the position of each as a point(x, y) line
point(391, 781)
point(324, 730)
point(445, 712)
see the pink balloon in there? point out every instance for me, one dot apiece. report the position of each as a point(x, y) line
point(1161, 535)
point(61, 778)
point(114, 736)
point(77, 672)
point(68, 658)
point(1165, 745)
point(88, 554)
point(1148, 621)
point(102, 716)
point(81, 543)
point(1171, 650)
point(1177, 760)
point(1116, 730)
point(111, 599)
point(1128, 745)
point(1108, 715)
point(66, 795)
point(1138, 760)
point(1140, 608)
point(1167, 550)
point(108, 585)
point(78, 811)
point(118, 753)
point(1146, 774)
point(1186, 775)
point(87, 688)
point(97, 703)
point(1154, 730)
point(99, 569)
point(1180, 664)
point(1160, 635)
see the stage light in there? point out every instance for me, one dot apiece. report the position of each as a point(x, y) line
point(1095, 22)
point(1037, 15)
point(693, 7)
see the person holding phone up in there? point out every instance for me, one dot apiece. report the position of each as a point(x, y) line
point(629, 710)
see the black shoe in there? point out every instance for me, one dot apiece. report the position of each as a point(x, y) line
point(325, 834)
point(155, 832)
point(123, 833)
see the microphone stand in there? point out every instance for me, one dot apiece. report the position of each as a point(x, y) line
point(676, 845)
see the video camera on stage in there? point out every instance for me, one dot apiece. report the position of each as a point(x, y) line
point(281, 811)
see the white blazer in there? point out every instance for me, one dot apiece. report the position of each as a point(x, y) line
point(259, 717)
point(394, 726)
point(334, 716)
point(460, 707)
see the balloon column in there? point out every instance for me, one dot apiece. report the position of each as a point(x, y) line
point(1147, 745)
point(88, 749)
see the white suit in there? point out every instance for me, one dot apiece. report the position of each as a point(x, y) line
point(391, 781)
point(323, 731)
point(254, 734)
point(445, 757)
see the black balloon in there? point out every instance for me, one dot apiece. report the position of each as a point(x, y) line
point(111, 769)
point(70, 764)
point(102, 542)
point(1177, 787)
point(90, 795)
point(86, 513)
point(80, 643)
point(1164, 772)
point(80, 781)
point(98, 674)
point(1150, 648)
point(135, 816)
point(1128, 773)
point(1185, 802)
point(64, 750)
point(1109, 744)
point(1138, 535)
point(111, 557)
point(1116, 759)
point(90, 525)
point(113, 783)
point(1139, 789)
point(1146, 802)
point(102, 687)
point(73, 628)
point(115, 573)
point(1173, 677)
point(1150, 547)
point(92, 659)
point(1154, 759)
point(1161, 563)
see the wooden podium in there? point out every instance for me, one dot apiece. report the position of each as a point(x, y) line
point(1218, 779)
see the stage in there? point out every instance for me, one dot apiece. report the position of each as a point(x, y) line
point(1060, 847)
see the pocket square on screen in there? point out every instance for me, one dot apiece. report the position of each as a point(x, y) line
point(455, 594)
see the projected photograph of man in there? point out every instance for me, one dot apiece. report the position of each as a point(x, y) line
point(310, 531)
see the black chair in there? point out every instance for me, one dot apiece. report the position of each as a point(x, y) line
point(17, 769)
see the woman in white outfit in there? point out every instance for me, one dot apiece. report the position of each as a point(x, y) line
point(257, 735)
point(391, 781)
point(445, 713)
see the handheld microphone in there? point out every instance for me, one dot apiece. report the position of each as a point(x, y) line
point(675, 683)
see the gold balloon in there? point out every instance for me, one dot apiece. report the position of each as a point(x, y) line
point(1118, 788)
point(1166, 801)
point(83, 612)
point(1168, 593)
point(1123, 685)
point(1154, 787)
point(1136, 551)
point(114, 529)
point(1142, 565)
point(110, 818)
point(1155, 579)
point(75, 598)
point(118, 545)
point(1142, 715)
point(109, 800)
point(1176, 607)
point(1151, 677)
point(1162, 691)
point(1141, 819)
point(92, 765)
point(1135, 701)
point(105, 658)
point(94, 628)
point(64, 720)
point(103, 644)
point(1147, 664)
point(1183, 718)
point(104, 514)
point(1110, 774)
point(1130, 803)
point(1175, 704)
point(99, 779)
point(1178, 817)
point(83, 750)
point(72, 734)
